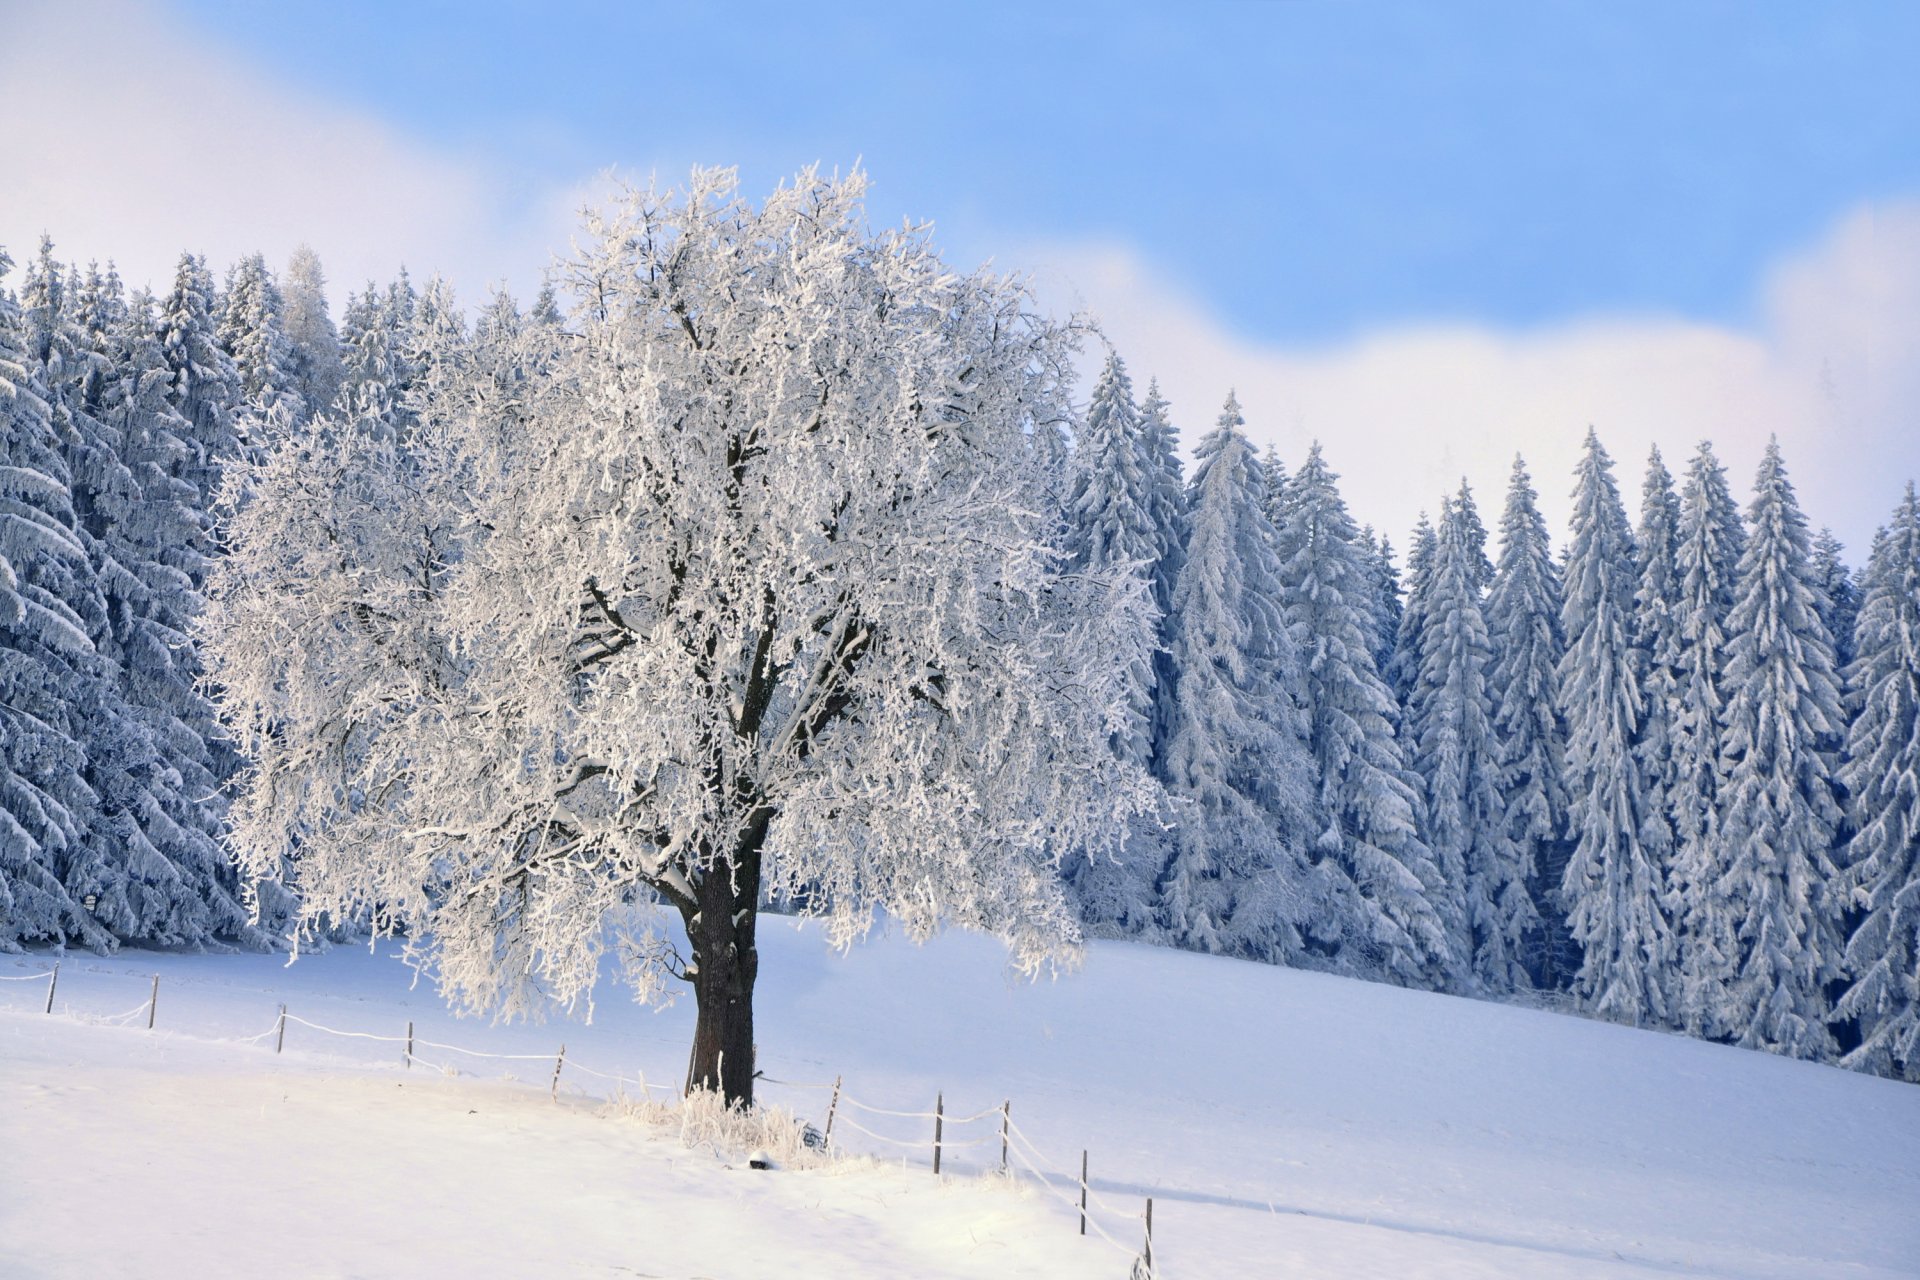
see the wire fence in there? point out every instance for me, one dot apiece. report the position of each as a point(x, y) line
point(1020, 1158)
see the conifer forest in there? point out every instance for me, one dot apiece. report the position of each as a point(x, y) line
point(514, 590)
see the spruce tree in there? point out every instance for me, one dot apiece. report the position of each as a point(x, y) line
point(1167, 507)
point(1839, 600)
point(1238, 880)
point(252, 331)
point(315, 343)
point(1613, 887)
point(1112, 533)
point(1882, 773)
point(48, 680)
point(1403, 671)
point(1778, 810)
point(1656, 643)
point(204, 386)
point(1708, 548)
point(1523, 616)
point(1379, 877)
point(1485, 903)
point(1386, 592)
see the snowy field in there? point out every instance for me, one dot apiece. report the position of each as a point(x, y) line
point(1286, 1124)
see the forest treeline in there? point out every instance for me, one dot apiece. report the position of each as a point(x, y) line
point(1670, 767)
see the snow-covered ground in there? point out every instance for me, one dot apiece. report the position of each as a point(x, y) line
point(1284, 1123)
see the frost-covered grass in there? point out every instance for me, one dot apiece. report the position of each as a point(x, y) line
point(1285, 1123)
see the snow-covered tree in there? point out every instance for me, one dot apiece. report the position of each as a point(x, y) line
point(252, 331)
point(1403, 671)
point(1882, 774)
point(1380, 879)
point(1613, 888)
point(1708, 547)
point(748, 593)
point(1523, 617)
point(1656, 642)
point(1238, 880)
point(1111, 531)
point(1386, 590)
point(1484, 900)
point(205, 386)
point(1778, 810)
point(1839, 599)
point(149, 525)
point(1167, 506)
point(310, 331)
point(48, 683)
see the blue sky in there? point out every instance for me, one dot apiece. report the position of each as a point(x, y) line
point(1428, 235)
point(1313, 169)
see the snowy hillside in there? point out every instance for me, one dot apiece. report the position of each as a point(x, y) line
point(1285, 1124)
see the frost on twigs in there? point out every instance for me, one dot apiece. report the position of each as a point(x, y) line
point(738, 585)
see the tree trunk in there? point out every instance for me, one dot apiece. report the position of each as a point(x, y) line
point(726, 963)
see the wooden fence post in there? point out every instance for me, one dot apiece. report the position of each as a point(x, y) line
point(153, 1001)
point(826, 1139)
point(280, 1041)
point(1149, 1235)
point(939, 1117)
point(558, 1063)
point(1083, 1191)
point(53, 980)
point(409, 1044)
point(1006, 1121)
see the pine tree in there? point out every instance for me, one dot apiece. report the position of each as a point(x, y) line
point(1386, 592)
point(1485, 902)
point(252, 332)
point(1379, 877)
point(1167, 507)
point(1613, 888)
point(1238, 880)
point(1657, 641)
point(205, 386)
point(1112, 533)
point(1523, 616)
point(1707, 554)
point(48, 685)
point(1839, 600)
point(152, 529)
point(1403, 671)
point(1778, 812)
point(315, 343)
point(1883, 775)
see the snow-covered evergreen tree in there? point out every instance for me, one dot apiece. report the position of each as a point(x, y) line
point(252, 331)
point(1403, 671)
point(1484, 900)
point(205, 386)
point(1377, 875)
point(1238, 880)
point(150, 526)
point(1167, 505)
point(1778, 810)
point(1839, 600)
point(310, 331)
point(1386, 591)
point(48, 683)
point(1614, 889)
point(1708, 547)
point(1523, 617)
point(1882, 773)
point(1111, 531)
point(1656, 643)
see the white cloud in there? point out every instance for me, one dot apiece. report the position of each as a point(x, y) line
point(1830, 366)
point(128, 139)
